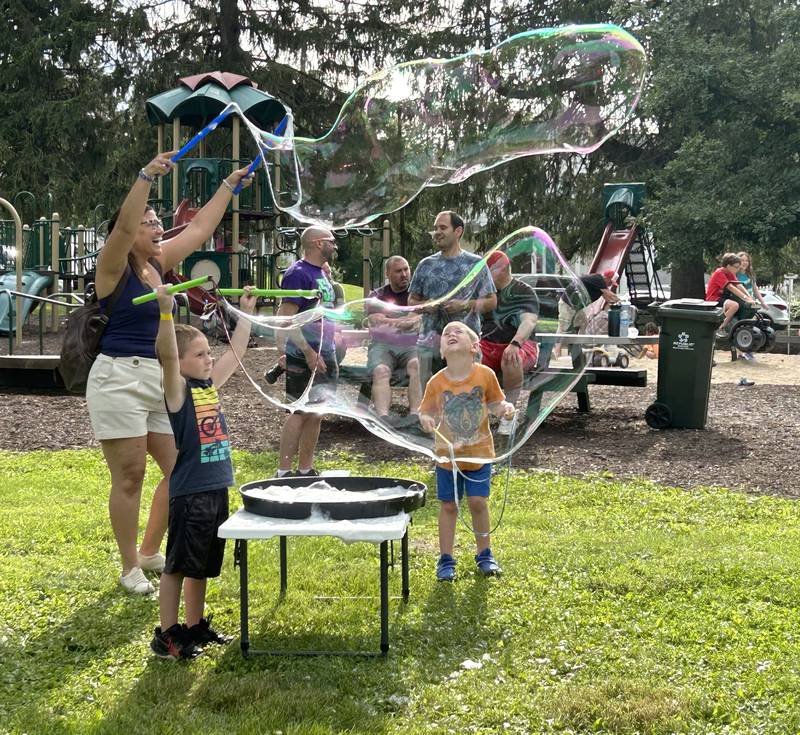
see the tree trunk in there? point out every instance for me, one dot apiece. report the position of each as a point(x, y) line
point(232, 57)
point(688, 279)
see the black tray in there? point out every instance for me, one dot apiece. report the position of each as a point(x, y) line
point(337, 511)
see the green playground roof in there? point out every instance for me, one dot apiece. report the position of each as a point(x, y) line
point(200, 98)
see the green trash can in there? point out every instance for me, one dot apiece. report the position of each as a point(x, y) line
point(685, 353)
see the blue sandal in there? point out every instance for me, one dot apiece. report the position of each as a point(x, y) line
point(487, 564)
point(446, 568)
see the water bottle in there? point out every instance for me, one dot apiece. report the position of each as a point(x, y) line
point(614, 320)
point(624, 319)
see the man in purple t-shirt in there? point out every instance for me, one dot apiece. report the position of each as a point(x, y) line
point(310, 351)
point(393, 339)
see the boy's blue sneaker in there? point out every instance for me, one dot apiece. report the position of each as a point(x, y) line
point(487, 564)
point(446, 568)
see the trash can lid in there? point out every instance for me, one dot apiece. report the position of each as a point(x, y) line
point(694, 309)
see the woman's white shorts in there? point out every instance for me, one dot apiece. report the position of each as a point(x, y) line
point(125, 398)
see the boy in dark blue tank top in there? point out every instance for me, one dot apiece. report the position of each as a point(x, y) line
point(198, 486)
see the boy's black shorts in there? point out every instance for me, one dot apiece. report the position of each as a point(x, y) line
point(193, 547)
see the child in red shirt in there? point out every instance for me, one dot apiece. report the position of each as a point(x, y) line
point(724, 288)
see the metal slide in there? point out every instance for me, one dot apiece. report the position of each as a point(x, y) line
point(33, 283)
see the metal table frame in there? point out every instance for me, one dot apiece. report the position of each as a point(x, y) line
point(399, 531)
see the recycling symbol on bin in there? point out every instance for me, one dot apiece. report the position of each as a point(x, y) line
point(683, 338)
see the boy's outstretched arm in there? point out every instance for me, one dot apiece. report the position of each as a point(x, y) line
point(226, 365)
point(167, 351)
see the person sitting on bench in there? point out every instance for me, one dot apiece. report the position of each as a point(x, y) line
point(393, 340)
point(570, 317)
point(506, 332)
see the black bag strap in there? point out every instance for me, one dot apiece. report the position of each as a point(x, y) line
point(117, 292)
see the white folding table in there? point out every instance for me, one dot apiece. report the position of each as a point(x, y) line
point(243, 526)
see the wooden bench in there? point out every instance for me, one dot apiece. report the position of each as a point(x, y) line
point(31, 371)
point(597, 375)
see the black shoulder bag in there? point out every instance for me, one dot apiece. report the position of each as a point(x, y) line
point(81, 344)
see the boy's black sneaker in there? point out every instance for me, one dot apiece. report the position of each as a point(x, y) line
point(174, 643)
point(307, 473)
point(202, 634)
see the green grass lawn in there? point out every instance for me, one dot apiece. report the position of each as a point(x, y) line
point(352, 292)
point(624, 608)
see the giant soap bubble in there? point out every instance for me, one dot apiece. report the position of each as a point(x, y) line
point(438, 121)
point(384, 351)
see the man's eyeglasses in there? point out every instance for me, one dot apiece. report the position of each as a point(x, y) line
point(153, 224)
point(326, 239)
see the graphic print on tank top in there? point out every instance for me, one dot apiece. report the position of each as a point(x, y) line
point(214, 444)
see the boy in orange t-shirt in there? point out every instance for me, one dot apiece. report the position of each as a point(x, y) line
point(456, 406)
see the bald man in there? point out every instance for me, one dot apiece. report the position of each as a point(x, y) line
point(310, 351)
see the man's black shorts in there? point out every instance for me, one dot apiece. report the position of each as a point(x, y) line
point(193, 547)
point(298, 374)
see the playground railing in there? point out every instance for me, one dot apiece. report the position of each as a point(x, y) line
point(73, 301)
point(53, 299)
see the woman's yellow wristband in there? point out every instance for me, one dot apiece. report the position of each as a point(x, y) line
point(166, 317)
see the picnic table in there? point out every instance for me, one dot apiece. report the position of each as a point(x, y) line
point(629, 377)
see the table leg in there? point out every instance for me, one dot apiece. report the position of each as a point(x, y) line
point(244, 613)
point(579, 363)
point(283, 565)
point(384, 597)
point(404, 565)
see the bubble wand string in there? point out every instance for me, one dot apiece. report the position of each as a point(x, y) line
point(456, 472)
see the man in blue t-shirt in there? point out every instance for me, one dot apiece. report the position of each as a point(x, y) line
point(310, 351)
point(439, 274)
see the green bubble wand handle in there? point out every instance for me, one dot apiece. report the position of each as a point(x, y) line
point(283, 293)
point(175, 288)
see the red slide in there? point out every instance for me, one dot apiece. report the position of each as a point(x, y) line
point(612, 254)
point(198, 297)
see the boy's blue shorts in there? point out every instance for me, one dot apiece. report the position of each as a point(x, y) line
point(473, 482)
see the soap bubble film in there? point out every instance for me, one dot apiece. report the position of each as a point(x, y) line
point(439, 121)
point(386, 353)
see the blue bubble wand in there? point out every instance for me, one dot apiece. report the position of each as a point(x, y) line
point(213, 125)
point(250, 169)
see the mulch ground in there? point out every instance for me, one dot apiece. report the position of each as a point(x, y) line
point(749, 442)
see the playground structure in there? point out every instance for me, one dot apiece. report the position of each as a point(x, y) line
point(627, 246)
point(250, 247)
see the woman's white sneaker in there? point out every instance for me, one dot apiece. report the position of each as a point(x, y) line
point(152, 563)
point(136, 583)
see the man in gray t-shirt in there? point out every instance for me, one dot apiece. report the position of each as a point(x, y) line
point(437, 276)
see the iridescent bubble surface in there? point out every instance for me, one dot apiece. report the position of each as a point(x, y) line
point(439, 121)
point(385, 351)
